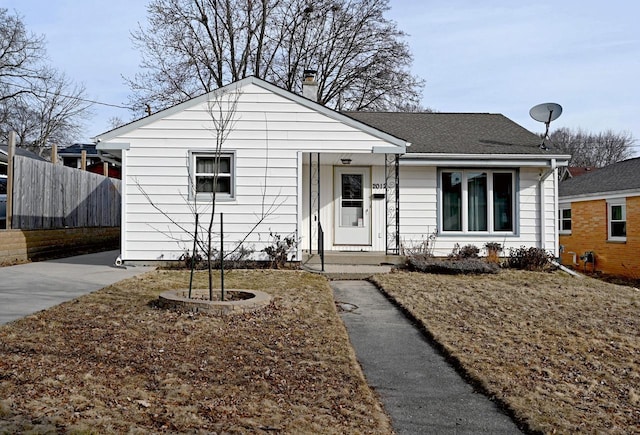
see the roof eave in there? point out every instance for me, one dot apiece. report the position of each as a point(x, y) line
point(593, 196)
point(536, 160)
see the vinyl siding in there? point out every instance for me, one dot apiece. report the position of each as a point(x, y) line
point(268, 132)
point(419, 213)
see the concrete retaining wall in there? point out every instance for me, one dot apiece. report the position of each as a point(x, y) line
point(18, 246)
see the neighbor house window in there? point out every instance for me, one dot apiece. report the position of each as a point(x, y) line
point(617, 220)
point(564, 220)
point(211, 172)
point(477, 201)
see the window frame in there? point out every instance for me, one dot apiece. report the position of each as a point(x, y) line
point(562, 219)
point(622, 203)
point(490, 201)
point(193, 175)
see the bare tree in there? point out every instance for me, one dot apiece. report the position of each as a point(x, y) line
point(41, 104)
point(593, 149)
point(194, 46)
point(222, 110)
point(115, 122)
point(20, 57)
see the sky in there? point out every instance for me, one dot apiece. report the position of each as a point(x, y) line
point(494, 56)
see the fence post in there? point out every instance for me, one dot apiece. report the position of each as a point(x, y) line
point(83, 160)
point(11, 152)
point(54, 154)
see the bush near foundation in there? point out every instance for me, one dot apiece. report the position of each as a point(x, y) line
point(466, 266)
point(534, 259)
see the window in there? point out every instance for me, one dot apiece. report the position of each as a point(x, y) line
point(564, 220)
point(477, 201)
point(204, 174)
point(617, 220)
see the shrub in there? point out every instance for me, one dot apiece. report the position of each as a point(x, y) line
point(467, 251)
point(536, 259)
point(493, 252)
point(278, 250)
point(427, 264)
point(423, 247)
point(237, 259)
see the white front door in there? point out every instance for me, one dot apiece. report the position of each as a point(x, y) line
point(352, 193)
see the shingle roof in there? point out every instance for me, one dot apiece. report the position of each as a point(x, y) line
point(623, 175)
point(77, 148)
point(4, 151)
point(456, 133)
point(576, 171)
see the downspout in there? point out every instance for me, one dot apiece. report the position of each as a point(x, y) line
point(299, 218)
point(123, 209)
point(542, 208)
point(556, 228)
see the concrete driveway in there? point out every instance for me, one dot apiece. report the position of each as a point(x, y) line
point(29, 288)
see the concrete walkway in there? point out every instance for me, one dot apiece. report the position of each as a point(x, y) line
point(28, 288)
point(421, 392)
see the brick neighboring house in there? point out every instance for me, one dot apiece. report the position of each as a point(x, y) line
point(599, 212)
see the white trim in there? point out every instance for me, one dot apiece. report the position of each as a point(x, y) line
point(600, 196)
point(493, 156)
point(561, 218)
point(480, 160)
point(299, 218)
point(123, 208)
point(113, 146)
point(556, 228)
point(208, 196)
point(490, 203)
point(388, 150)
point(616, 203)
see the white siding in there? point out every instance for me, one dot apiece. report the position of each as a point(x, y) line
point(419, 212)
point(269, 131)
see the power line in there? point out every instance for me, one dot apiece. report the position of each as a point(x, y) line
point(86, 100)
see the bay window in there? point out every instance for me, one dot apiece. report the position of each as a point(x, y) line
point(477, 200)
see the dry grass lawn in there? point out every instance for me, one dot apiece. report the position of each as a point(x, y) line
point(562, 353)
point(110, 362)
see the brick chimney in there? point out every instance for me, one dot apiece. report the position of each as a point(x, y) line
point(309, 85)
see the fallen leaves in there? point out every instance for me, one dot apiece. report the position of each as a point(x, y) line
point(562, 353)
point(113, 362)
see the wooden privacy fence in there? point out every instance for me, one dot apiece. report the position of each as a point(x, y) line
point(51, 196)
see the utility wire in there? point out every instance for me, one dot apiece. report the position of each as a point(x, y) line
point(86, 100)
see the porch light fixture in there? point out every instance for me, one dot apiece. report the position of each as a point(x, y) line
point(346, 161)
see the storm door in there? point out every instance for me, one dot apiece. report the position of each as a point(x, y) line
point(352, 187)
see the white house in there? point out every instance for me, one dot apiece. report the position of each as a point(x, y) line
point(373, 182)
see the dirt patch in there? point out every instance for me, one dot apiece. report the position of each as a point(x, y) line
point(562, 353)
point(112, 362)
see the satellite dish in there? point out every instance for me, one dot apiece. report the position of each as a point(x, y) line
point(546, 112)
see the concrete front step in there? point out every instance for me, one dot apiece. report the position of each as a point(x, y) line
point(353, 259)
point(351, 265)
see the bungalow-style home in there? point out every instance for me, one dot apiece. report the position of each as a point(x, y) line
point(362, 182)
point(599, 219)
